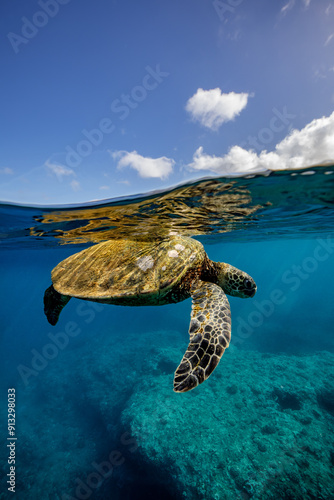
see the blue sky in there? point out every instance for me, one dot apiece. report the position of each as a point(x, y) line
point(149, 94)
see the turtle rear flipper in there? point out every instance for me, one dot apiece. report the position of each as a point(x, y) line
point(210, 334)
point(53, 304)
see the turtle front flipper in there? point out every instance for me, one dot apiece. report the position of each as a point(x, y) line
point(210, 334)
point(53, 304)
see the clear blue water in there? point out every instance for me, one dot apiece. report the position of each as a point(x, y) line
point(96, 415)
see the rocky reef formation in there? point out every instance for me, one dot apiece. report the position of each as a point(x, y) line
point(260, 428)
point(102, 422)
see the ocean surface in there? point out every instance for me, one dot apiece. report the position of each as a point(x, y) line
point(95, 412)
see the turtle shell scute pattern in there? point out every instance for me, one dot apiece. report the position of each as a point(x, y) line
point(131, 271)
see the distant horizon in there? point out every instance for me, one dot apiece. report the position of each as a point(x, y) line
point(148, 194)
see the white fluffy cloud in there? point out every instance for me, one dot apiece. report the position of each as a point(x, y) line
point(59, 170)
point(146, 167)
point(212, 108)
point(309, 146)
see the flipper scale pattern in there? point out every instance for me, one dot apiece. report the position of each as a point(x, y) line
point(210, 335)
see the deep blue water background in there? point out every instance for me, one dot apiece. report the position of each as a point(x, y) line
point(88, 399)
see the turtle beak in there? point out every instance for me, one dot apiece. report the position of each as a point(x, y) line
point(251, 292)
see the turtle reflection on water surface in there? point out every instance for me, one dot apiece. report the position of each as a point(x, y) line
point(138, 273)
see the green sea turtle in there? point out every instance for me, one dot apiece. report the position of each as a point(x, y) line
point(130, 272)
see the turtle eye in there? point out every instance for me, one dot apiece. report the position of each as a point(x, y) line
point(248, 284)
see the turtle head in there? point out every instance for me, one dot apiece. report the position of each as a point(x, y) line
point(235, 282)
